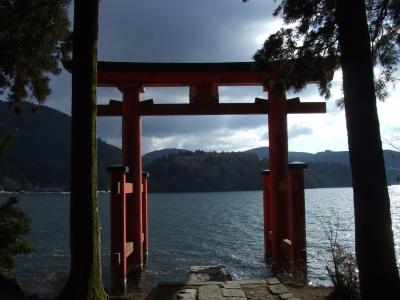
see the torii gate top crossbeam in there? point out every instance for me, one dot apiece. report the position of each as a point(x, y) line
point(204, 78)
point(177, 74)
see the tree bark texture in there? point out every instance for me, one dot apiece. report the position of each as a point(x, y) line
point(373, 226)
point(85, 280)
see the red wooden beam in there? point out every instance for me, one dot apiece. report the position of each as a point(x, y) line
point(145, 217)
point(175, 79)
point(131, 156)
point(261, 106)
point(267, 213)
point(113, 109)
point(177, 74)
point(294, 106)
point(115, 74)
point(278, 160)
point(149, 109)
point(118, 228)
point(297, 218)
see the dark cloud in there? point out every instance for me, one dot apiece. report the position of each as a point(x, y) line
point(187, 129)
point(180, 126)
point(181, 31)
point(109, 127)
point(177, 30)
point(171, 125)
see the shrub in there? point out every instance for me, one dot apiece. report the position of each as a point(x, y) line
point(341, 267)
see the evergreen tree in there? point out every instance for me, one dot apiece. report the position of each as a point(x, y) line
point(33, 39)
point(354, 36)
point(85, 280)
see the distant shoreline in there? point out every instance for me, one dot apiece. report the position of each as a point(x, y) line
point(185, 192)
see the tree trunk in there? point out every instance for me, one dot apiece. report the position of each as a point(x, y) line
point(373, 226)
point(85, 281)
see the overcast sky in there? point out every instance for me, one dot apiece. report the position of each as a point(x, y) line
point(206, 31)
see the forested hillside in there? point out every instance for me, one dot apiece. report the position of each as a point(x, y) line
point(39, 160)
point(205, 171)
point(39, 157)
point(210, 171)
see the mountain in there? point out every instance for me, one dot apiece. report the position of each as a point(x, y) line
point(39, 157)
point(39, 160)
point(201, 171)
point(327, 155)
point(151, 156)
point(392, 158)
point(211, 171)
point(262, 153)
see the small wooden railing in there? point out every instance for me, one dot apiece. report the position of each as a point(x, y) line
point(123, 250)
point(290, 253)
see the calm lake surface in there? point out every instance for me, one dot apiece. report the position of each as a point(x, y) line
point(187, 229)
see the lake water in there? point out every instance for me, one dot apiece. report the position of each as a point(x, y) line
point(187, 229)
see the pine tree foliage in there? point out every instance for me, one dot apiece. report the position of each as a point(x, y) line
point(14, 224)
point(33, 39)
point(309, 43)
point(6, 142)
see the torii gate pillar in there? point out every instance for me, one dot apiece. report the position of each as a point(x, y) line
point(278, 164)
point(132, 157)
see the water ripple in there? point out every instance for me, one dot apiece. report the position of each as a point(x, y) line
point(189, 229)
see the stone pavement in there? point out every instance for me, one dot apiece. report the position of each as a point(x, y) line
point(270, 289)
point(215, 283)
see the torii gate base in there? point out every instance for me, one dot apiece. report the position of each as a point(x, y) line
point(123, 249)
point(289, 252)
point(284, 216)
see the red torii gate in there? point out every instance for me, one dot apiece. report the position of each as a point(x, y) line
point(284, 214)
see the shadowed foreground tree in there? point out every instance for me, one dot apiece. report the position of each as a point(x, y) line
point(84, 281)
point(354, 36)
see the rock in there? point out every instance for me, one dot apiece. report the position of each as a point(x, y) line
point(187, 294)
point(272, 281)
point(278, 289)
point(251, 281)
point(231, 285)
point(209, 273)
point(233, 293)
point(209, 292)
point(285, 296)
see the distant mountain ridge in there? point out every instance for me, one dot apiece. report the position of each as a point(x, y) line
point(39, 160)
point(262, 153)
point(327, 155)
point(392, 158)
point(151, 156)
point(40, 156)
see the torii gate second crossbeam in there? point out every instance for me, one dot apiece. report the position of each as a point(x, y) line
point(284, 216)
